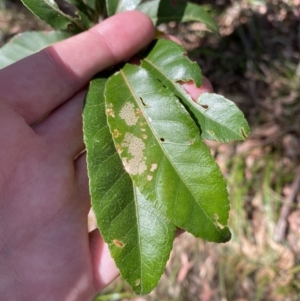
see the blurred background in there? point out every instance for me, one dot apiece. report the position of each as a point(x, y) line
point(254, 61)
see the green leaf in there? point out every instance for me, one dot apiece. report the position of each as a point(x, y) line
point(83, 11)
point(78, 4)
point(28, 43)
point(178, 11)
point(161, 149)
point(116, 6)
point(93, 3)
point(217, 117)
point(49, 12)
point(221, 119)
point(168, 62)
point(139, 237)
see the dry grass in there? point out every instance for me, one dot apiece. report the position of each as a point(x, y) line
point(255, 62)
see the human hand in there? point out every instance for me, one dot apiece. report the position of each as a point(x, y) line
point(46, 252)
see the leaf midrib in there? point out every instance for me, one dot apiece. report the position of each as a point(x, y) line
point(139, 234)
point(166, 155)
point(62, 13)
point(191, 103)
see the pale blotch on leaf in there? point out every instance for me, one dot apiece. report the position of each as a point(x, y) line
point(118, 243)
point(136, 165)
point(137, 282)
point(217, 223)
point(153, 167)
point(149, 177)
point(144, 136)
point(128, 114)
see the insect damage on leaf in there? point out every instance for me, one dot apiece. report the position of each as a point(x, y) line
point(217, 223)
point(128, 114)
point(153, 167)
point(135, 147)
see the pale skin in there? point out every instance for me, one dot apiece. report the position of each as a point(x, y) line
point(46, 252)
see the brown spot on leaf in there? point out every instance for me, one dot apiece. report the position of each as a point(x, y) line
point(118, 243)
point(116, 133)
point(204, 106)
point(119, 148)
point(110, 112)
point(138, 112)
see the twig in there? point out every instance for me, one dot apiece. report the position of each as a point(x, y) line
point(285, 210)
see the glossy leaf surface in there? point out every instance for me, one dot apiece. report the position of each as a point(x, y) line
point(178, 11)
point(139, 237)
point(49, 11)
point(162, 150)
point(28, 43)
point(116, 6)
point(217, 117)
point(168, 62)
point(221, 119)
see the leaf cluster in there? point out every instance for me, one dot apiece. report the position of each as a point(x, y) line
point(150, 171)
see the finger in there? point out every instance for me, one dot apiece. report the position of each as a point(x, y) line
point(105, 270)
point(194, 91)
point(37, 84)
point(62, 129)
